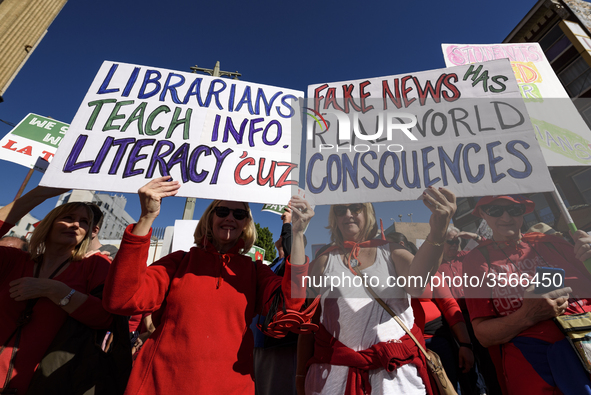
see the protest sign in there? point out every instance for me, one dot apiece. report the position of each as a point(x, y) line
point(34, 137)
point(256, 253)
point(274, 208)
point(559, 129)
point(220, 138)
point(388, 138)
point(183, 239)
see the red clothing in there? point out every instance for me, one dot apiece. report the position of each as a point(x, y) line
point(384, 355)
point(203, 344)
point(501, 301)
point(452, 269)
point(437, 301)
point(47, 317)
point(489, 301)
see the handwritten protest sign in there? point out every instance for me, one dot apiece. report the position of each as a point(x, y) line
point(386, 139)
point(221, 138)
point(274, 208)
point(561, 132)
point(34, 137)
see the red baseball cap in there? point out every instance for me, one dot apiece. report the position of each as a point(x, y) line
point(529, 205)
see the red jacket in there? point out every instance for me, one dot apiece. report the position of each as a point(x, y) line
point(47, 317)
point(203, 344)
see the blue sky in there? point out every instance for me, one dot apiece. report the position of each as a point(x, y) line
point(286, 44)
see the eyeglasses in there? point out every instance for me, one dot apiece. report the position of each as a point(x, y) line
point(453, 242)
point(237, 213)
point(353, 208)
point(514, 210)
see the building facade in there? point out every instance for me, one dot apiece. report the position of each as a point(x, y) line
point(563, 30)
point(23, 23)
point(115, 219)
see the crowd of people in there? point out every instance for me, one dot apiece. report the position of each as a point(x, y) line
point(193, 320)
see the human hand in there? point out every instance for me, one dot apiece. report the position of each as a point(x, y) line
point(539, 308)
point(286, 216)
point(153, 192)
point(466, 359)
point(442, 204)
point(26, 288)
point(582, 245)
point(301, 212)
point(469, 235)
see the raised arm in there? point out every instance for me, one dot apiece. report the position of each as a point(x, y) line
point(442, 204)
point(151, 196)
point(302, 213)
point(131, 287)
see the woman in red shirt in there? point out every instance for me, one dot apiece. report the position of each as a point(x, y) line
point(56, 274)
point(202, 343)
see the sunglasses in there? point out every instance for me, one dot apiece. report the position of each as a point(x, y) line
point(237, 213)
point(353, 208)
point(453, 242)
point(514, 210)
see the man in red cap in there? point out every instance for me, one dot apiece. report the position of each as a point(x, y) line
point(510, 320)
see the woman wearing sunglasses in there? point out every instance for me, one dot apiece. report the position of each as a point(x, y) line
point(203, 344)
point(530, 352)
point(359, 347)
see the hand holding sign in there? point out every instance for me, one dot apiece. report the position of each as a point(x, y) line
point(151, 196)
point(301, 212)
point(286, 216)
point(442, 204)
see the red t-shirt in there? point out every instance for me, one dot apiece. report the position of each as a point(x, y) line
point(520, 261)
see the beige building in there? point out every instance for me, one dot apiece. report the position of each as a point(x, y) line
point(563, 30)
point(23, 23)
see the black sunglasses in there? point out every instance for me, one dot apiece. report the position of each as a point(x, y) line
point(237, 213)
point(453, 241)
point(514, 210)
point(353, 208)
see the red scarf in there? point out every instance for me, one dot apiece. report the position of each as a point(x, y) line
point(387, 355)
point(355, 248)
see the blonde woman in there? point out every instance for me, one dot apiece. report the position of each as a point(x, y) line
point(203, 344)
point(359, 347)
point(51, 281)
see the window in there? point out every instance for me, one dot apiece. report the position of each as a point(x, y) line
point(554, 43)
point(583, 183)
point(576, 78)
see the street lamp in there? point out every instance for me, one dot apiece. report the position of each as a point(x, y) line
point(400, 216)
point(410, 215)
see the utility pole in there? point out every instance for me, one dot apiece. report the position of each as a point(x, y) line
point(215, 72)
